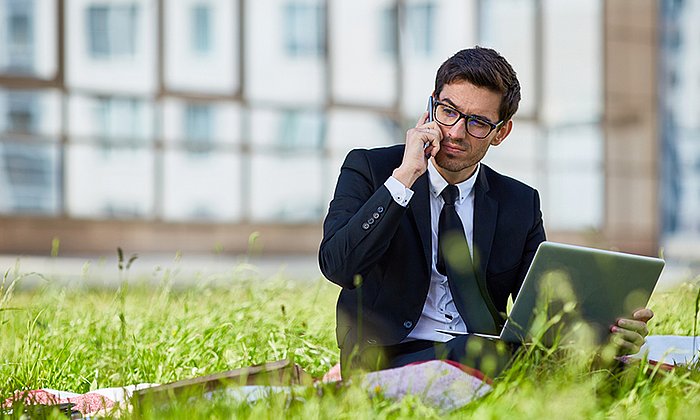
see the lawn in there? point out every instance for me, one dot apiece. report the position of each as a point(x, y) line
point(81, 338)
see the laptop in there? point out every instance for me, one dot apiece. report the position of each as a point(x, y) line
point(577, 290)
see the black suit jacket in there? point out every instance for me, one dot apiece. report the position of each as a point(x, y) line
point(380, 252)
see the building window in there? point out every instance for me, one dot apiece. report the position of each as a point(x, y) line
point(305, 29)
point(112, 30)
point(299, 130)
point(27, 168)
point(420, 21)
point(22, 113)
point(28, 171)
point(201, 29)
point(20, 34)
point(389, 31)
point(118, 121)
point(198, 128)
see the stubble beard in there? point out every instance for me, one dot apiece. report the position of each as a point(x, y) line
point(456, 164)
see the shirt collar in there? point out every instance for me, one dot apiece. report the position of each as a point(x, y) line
point(438, 183)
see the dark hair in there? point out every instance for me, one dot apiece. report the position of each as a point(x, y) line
point(485, 68)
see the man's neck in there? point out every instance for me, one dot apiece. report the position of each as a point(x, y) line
point(438, 182)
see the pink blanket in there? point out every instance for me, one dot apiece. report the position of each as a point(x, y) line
point(100, 400)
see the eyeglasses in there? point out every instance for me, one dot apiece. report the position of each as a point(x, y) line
point(476, 126)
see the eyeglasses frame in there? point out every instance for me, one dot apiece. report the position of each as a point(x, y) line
point(466, 117)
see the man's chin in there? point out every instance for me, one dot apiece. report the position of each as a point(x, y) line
point(450, 164)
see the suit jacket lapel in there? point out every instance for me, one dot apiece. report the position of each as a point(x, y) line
point(485, 216)
point(420, 208)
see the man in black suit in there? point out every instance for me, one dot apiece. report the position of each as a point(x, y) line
point(382, 238)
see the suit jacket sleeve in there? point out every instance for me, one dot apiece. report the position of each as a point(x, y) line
point(362, 219)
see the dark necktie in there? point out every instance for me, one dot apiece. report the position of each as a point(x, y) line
point(454, 261)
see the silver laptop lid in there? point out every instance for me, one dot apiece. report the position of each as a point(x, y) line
point(567, 284)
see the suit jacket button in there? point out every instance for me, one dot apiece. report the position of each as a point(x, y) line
point(370, 221)
point(371, 341)
point(376, 215)
point(408, 324)
point(365, 226)
point(380, 209)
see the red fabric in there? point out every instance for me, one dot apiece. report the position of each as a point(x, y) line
point(466, 369)
point(36, 396)
point(663, 366)
point(91, 402)
point(85, 403)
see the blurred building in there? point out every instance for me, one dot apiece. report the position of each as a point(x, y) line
point(160, 125)
point(680, 128)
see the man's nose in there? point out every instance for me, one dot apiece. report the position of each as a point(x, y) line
point(459, 130)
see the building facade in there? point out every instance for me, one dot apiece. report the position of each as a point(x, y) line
point(160, 125)
point(680, 129)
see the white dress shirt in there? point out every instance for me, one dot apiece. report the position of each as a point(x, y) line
point(439, 310)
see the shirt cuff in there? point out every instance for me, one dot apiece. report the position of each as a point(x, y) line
point(398, 191)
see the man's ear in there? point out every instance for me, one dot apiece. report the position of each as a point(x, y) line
point(502, 133)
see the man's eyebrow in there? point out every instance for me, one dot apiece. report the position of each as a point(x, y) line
point(483, 117)
point(449, 101)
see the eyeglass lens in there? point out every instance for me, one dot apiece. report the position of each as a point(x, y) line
point(450, 116)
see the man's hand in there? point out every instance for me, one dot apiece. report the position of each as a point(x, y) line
point(422, 142)
point(630, 334)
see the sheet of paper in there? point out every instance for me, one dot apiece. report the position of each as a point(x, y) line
point(671, 349)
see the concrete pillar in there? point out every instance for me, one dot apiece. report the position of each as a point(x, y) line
point(631, 124)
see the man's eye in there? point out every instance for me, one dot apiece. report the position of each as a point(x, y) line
point(449, 112)
point(476, 123)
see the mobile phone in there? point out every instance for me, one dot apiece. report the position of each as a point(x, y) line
point(430, 108)
point(430, 119)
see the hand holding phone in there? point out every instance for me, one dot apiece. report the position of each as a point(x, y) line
point(425, 137)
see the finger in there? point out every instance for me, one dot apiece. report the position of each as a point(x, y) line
point(429, 135)
point(624, 346)
point(422, 120)
point(639, 327)
point(629, 336)
point(426, 133)
point(432, 148)
point(423, 139)
point(627, 342)
point(435, 143)
point(643, 315)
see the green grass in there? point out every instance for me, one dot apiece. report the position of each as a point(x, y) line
point(79, 339)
